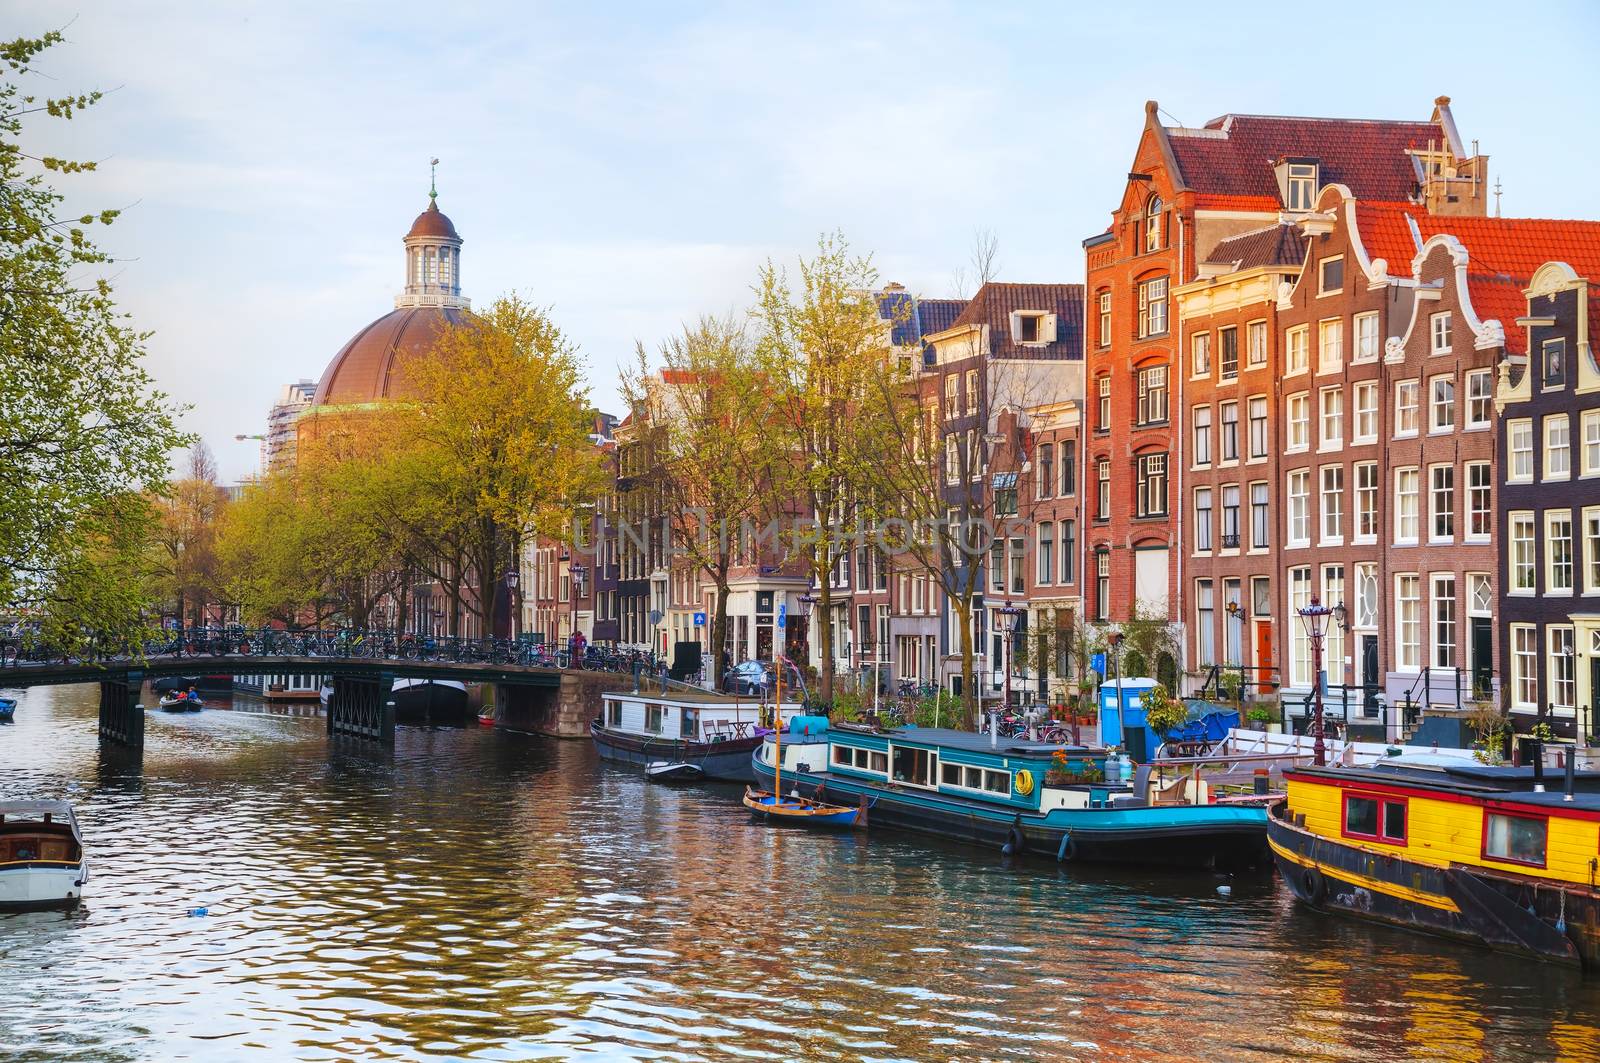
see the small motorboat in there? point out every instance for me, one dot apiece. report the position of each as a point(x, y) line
point(8, 708)
point(486, 719)
point(673, 771)
point(176, 702)
point(41, 856)
point(799, 811)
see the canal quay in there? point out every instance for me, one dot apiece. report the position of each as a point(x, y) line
point(474, 893)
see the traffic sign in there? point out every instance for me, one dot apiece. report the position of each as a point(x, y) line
point(783, 614)
point(1098, 663)
point(699, 620)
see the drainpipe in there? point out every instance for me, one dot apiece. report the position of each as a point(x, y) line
point(1177, 456)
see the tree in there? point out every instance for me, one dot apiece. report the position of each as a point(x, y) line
point(188, 516)
point(81, 426)
point(703, 418)
point(983, 264)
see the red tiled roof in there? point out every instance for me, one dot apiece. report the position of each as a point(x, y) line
point(1236, 154)
point(995, 301)
point(1277, 245)
point(1386, 234)
point(1253, 204)
point(1515, 247)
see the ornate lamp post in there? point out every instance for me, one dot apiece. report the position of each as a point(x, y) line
point(438, 621)
point(1315, 618)
point(513, 578)
point(1012, 614)
point(1114, 640)
point(805, 601)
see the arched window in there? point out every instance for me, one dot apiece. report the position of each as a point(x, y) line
point(1152, 224)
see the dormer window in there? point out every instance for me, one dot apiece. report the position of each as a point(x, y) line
point(1033, 327)
point(1029, 328)
point(1299, 184)
point(1152, 225)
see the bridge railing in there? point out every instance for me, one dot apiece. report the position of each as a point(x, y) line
point(22, 648)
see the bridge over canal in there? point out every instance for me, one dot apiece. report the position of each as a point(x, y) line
point(535, 692)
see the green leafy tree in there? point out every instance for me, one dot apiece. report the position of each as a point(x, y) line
point(81, 425)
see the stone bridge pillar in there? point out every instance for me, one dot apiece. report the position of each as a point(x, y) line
point(121, 715)
point(362, 708)
point(563, 713)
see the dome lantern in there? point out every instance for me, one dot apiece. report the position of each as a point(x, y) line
point(433, 259)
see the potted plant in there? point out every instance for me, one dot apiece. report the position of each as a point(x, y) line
point(1258, 718)
point(1163, 712)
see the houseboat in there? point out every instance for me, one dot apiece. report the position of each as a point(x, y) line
point(41, 856)
point(1497, 856)
point(713, 732)
point(1019, 796)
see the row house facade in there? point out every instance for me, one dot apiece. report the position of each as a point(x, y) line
point(1174, 336)
point(1548, 395)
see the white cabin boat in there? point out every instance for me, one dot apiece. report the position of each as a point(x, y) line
point(41, 856)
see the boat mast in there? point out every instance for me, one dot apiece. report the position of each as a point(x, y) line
point(777, 737)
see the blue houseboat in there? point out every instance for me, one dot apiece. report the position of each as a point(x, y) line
point(1017, 795)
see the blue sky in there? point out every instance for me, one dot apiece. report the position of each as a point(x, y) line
point(630, 165)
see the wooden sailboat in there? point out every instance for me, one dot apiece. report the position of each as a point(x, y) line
point(795, 810)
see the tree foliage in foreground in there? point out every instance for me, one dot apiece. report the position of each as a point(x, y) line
point(82, 428)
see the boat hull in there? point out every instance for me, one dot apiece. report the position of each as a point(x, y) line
point(729, 760)
point(430, 702)
point(1473, 905)
point(786, 811)
point(41, 885)
point(1206, 836)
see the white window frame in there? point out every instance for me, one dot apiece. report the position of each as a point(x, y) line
point(1408, 652)
point(1255, 344)
point(1557, 424)
point(1367, 489)
point(1439, 332)
point(1404, 411)
point(1330, 417)
point(1330, 345)
point(1524, 652)
point(1364, 399)
point(1590, 534)
point(1200, 356)
point(1205, 529)
point(1589, 445)
point(1297, 350)
point(1480, 398)
point(1446, 470)
point(1413, 475)
point(1443, 610)
point(1521, 552)
point(1445, 384)
point(1331, 506)
point(1299, 515)
point(1365, 326)
point(1474, 493)
point(1519, 450)
point(1200, 437)
point(1252, 404)
point(1297, 434)
point(1564, 585)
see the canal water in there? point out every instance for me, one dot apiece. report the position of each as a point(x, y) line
point(481, 895)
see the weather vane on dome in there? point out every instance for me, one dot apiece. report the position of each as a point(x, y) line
point(433, 178)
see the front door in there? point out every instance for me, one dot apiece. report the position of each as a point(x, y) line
point(1482, 655)
point(1369, 675)
point(1264, 657)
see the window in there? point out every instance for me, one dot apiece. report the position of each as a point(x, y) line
point(1408, 611)
point(1255, 344)
point(1376, 818)
point(1258, 426)
point(1045, 556)
point(952, 405)
point(1151, 500)
point(1102, 496)
point(1302, 186)
point(1300, 507)
point(1443, 404)
point(1591, 550)
point(1558, 551)
point(1405, 505)
point(1069, 550)
point(1480, 514)
point(1330, 346)
point(952, 458)
point(972, 391)
point(1299, 421)
point(1200, 354)
point(1230, 430)
point(1480, 397)
point(1028, 328)
point(1442, 499)
point(1069, 468)
point(1366, 529)
point(1103, 421)
point(1514, 839)
point(1230, 516)
point(1557, 448)
point(1102, 583)
point(1520, 560)
point(1444, 620)
point(1105, 319)
point(1366, 595)
point(652, 719)
point(1554, 353)
point(1260, 516)
point(1439, 329)
point(1367, 346)
point(1332, 275)
point(1405, 408)
point(1046, 474)
point(1153, 307)
point(1202, 435)
point(1018, 584)
point(1202, 519)
point(1591, 442)
point(1332, 503)
point(1297, 357)
point(1524, 666)
point(1563, 686)
point(1332, 431)
point(1366, 399)
point(1152, 225)
point(1519, 435)
point(1480, 594)
point(1228, 341)
point(1152, 407)
point(1205, 633)
point(1300, 642)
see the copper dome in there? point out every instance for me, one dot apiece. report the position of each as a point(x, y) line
point(433, 222)
point(365, 369)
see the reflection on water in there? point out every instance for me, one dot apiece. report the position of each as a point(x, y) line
point(472, 893)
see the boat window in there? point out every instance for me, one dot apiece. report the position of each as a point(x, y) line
point(1519, 839)
point(880, 763)
point(614, 713)
point(950, 774)
point(1376, 818)
point(691, 723)
point(915, 766)
point(844, 755)
point(652, 718)
point(975, 778)
point(997, 782)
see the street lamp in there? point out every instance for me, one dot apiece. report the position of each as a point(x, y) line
point(513, 578)
point(1012, 614)
point(1315, 618)
point(805, 601)
point(438, 621)
point(1114, 640)
point(578, 571)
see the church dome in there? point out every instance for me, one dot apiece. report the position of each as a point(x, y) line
point(365, 369)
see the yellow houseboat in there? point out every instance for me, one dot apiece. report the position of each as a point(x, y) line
point(1484, 854)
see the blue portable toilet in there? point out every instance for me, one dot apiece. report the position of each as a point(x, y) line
point(1113, 725)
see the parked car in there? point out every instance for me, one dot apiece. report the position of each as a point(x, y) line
point(755, 678)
